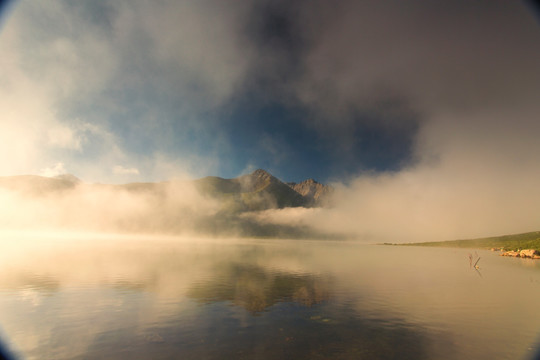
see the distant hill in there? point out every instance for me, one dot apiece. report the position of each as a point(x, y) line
point(529, 240)
point(35, 185)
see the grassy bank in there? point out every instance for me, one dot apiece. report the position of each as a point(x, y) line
point(530, 240)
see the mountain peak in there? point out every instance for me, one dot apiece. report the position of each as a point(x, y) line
point(311, 190)
point(261, 173)
point(68, 177)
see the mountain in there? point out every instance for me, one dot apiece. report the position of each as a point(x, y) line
point(208, 206)
point(260, 190)
point(314, 192)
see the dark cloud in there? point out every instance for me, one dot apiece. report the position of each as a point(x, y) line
point(274, 25)
point(4, 7)
point(452, 55)
point(285, 140)
point(345, 87)
point(100, 14)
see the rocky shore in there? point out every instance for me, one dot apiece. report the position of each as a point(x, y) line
point(527, 253)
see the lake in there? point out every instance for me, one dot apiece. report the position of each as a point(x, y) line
point(167, 298)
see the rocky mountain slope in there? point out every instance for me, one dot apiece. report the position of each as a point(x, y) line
point(314, 192)
point(261, 190)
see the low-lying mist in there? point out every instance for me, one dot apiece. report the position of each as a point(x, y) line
point(32, 203)
point(473, 178)
point(465, 183)
point(163, 207)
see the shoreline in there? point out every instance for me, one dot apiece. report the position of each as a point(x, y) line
point(525, 253)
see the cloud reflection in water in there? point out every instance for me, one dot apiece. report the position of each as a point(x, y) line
point(200, 298)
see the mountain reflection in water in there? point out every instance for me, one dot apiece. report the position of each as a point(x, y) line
point(256, 288)
point(245, 299)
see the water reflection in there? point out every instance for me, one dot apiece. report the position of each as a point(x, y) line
point(256, 288)
point(43, 284)
point(263, 299)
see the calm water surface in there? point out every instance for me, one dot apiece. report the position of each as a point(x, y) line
point(263, 299)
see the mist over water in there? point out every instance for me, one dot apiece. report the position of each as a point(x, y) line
point(207, 298)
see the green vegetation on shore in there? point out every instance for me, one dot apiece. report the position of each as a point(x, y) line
point(530, 240)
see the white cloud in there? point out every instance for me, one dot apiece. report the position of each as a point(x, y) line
point(195, 33)
point(59, 65)
point(41, 70)
point(121, 170)
point(64, 137)
point(57, 169)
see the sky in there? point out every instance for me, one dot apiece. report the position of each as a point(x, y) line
point(431, 108)
point(143, 91)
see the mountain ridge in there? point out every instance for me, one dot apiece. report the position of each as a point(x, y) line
point(311, 189)
point(258, 190)
point(260, 186)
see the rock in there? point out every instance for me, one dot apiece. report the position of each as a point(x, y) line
point(510, 253)
point(527, 253)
